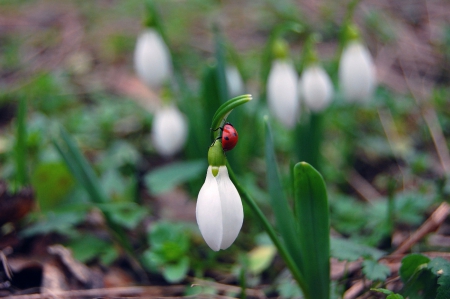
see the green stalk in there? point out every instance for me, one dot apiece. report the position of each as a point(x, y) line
point(271, 232)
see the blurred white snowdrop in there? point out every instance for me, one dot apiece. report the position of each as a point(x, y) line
point(152, 60)
point(315, 88)
point(234, 81)
point(219, 209)
point(357, 72)
point(169, 130)
point(282, 92)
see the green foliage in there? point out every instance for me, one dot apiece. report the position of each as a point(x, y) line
point(375, 271)
point(167, 177)
point(51, 182)
point(169, 250)
point(350, 251)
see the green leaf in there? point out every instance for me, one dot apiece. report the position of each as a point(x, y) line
point(51, 181)
point(391, 295)
point(347, 250)
point(311, 207)
point(411, 264)
point(222, 112)
point(63, 223)
point(375, 271)
point(419, 281)
point(87, 247)
point(126, 214)
point(167, 177)
point(175, 273)
point(441, 268)
point(283, 214)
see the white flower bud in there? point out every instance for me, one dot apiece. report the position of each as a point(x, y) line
point(282, 92)
point(316, 88)
point(234, 81)
point(152, 60)
point(169, 131)
point(356, 72)
point(219, 210)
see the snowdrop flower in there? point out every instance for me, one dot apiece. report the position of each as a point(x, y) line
point(169, 130)
point(152, 60)
point(316, 88)
point(356, 72)
point(234, 81)
point(219, 209)
point(282, 92)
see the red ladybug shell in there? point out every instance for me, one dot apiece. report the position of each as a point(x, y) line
point(229, 137)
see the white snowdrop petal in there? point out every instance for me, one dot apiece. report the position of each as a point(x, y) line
point(282, 92)
point(234, 81)
point(152, 60)
point(209, 212)
point(169, 130)
point(316, 88)
point(357, 73)
point(232, 211)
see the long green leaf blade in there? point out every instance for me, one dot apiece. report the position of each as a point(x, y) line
point(283, 214)
point(311, 207)
point(225, 109)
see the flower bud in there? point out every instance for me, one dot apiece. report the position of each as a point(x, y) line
point(152, 60)
point(169, 130)
point(282, 92)
point(316, 88)
point(356, 72)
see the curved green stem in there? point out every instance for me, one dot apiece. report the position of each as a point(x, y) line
point(272, 234)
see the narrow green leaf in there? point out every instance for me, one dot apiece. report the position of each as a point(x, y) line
point(311, 206)
point(225, 109)
point(283, 213)
point(166, 178)
point(309, 140)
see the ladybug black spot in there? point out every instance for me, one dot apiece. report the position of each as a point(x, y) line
point(226, 138)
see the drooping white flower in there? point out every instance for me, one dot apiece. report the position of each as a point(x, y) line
point(152, 60)
point(357, 72)
point(282, 92)
point(169, 130)
point(219, 210)
point(316, 88)
point(234, 81)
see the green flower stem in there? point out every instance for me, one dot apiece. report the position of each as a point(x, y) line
point(271, 232)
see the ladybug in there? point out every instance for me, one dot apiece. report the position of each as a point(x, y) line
point(229, 137)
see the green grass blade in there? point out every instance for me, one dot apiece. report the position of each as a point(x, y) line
point(311, 207)
point(21, 145)
point(283, 213)
point(88, 177)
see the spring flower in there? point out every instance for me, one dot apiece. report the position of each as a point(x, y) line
point(316, 88)
point(169, 130)
point(356, 72)
point(234, 81)
point(282, 92)
point(219, 209)
point(152, 60)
